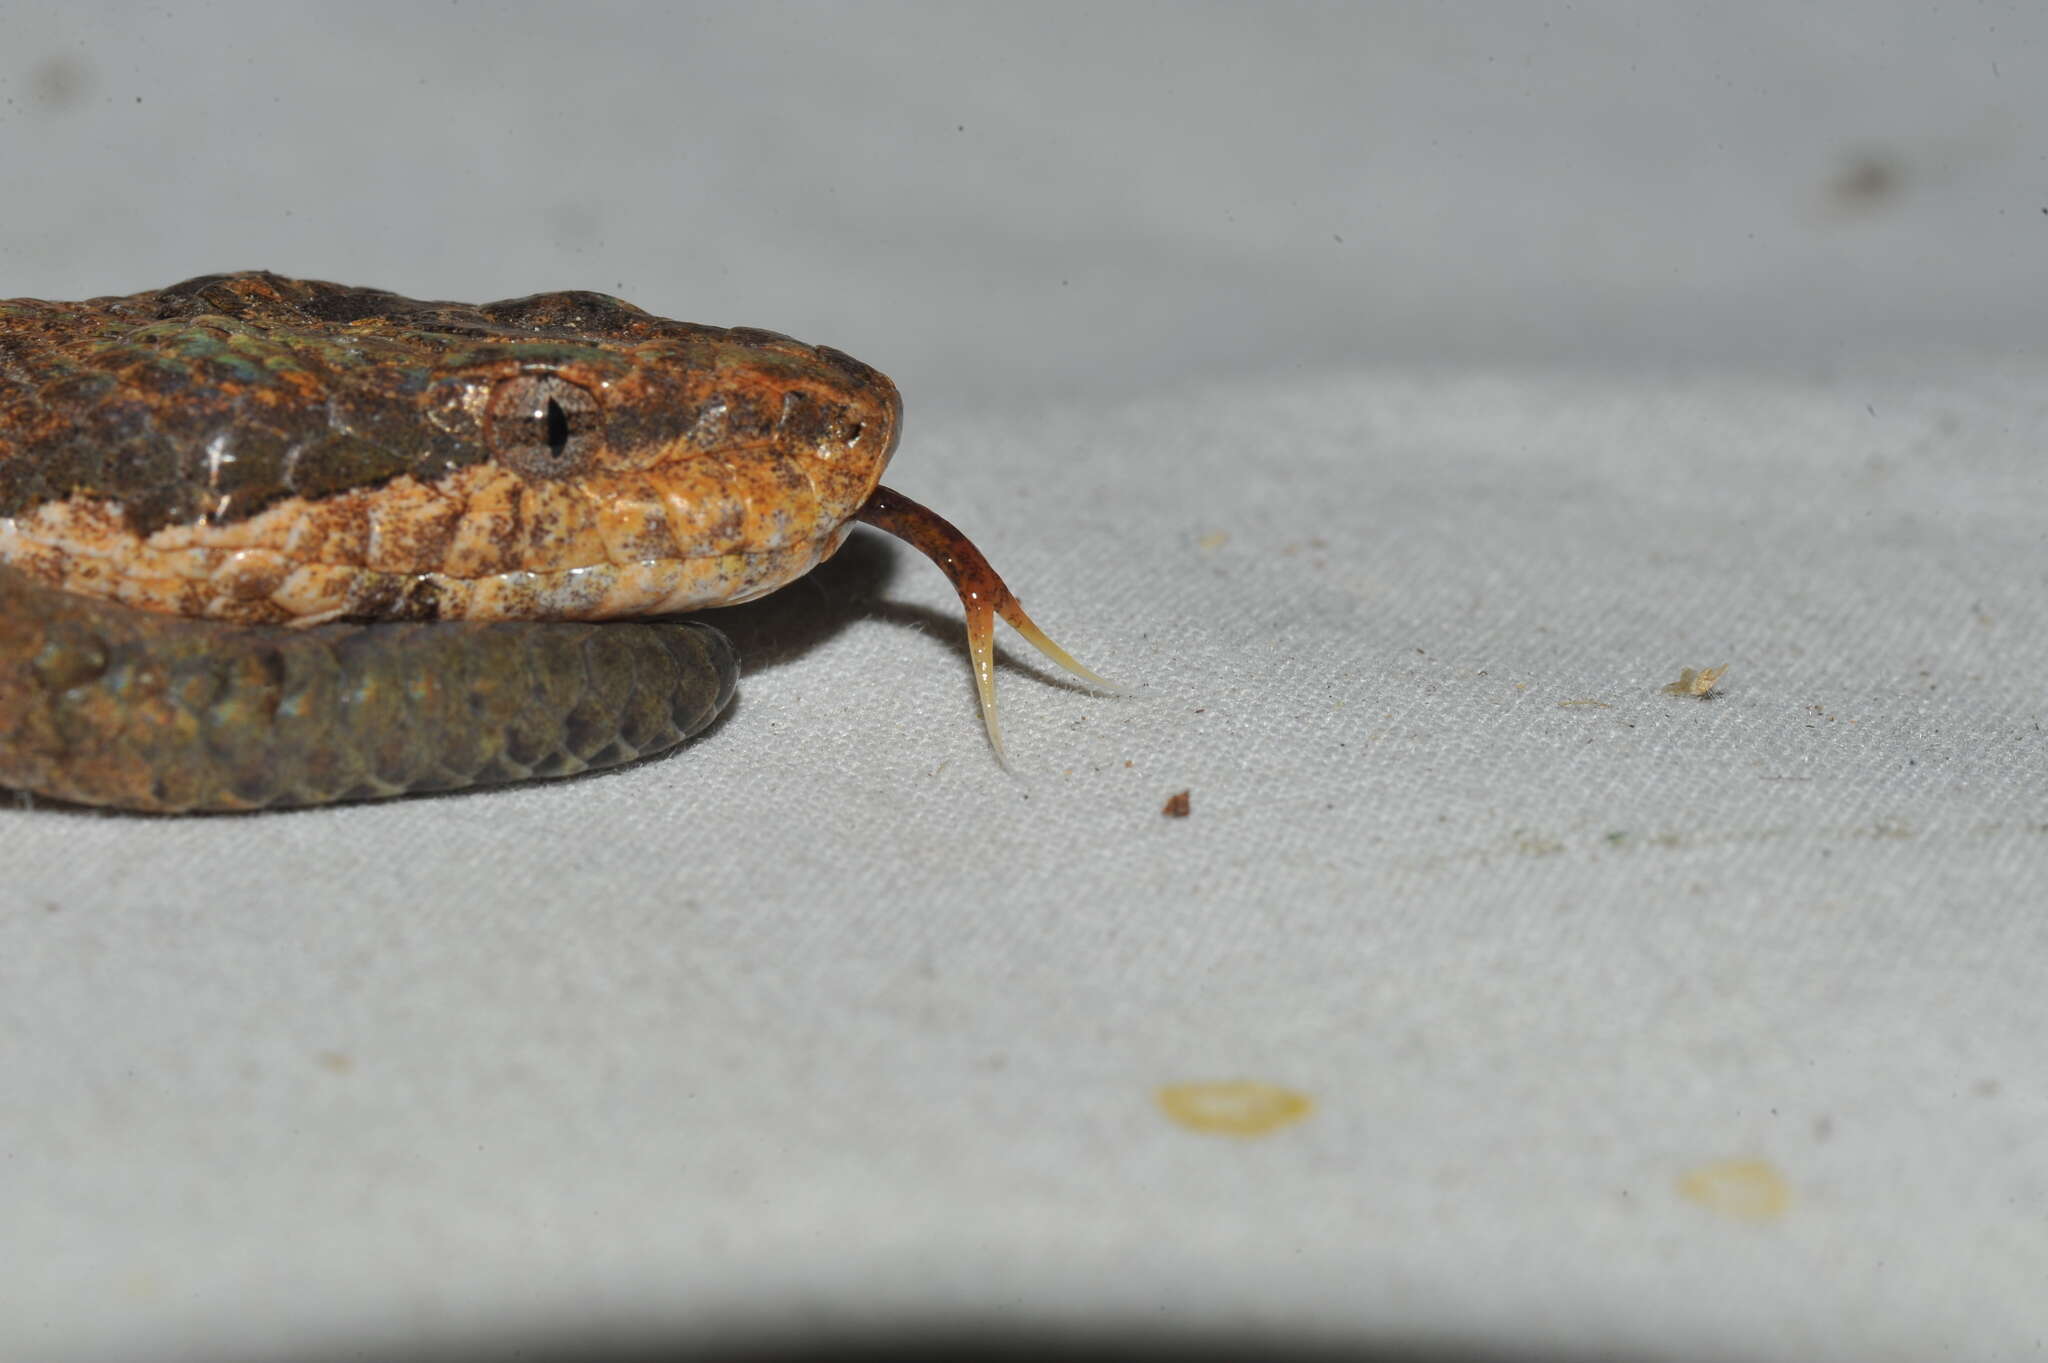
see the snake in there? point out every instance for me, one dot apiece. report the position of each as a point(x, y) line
point(270, 542)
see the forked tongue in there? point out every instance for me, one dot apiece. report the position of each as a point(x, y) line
point(982, 594)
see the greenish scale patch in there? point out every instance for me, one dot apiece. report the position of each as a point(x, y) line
point(342, 462)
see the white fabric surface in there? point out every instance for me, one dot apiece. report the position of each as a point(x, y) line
point(1634, 1026)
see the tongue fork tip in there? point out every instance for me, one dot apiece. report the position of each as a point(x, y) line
point(1013, 613)
point(982, 592)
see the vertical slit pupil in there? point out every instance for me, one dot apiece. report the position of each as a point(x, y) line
point(557, 427)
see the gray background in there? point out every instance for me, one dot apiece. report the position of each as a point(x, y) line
point(1397, 396)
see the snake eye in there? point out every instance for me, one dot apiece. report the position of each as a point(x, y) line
point(543, 426)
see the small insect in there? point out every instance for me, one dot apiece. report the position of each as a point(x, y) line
point(271, 541)
point(1699, 684)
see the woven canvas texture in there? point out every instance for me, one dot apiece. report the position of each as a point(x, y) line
point(1488, 1001)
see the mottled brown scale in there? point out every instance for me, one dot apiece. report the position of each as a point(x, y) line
point(262, 450)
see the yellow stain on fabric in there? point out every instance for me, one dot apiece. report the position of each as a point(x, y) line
point(1739, 1189)
point(1234, 1107)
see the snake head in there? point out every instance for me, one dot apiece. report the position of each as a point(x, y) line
point(721, 462)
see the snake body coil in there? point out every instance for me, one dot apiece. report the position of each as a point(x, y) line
point(100, 704)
